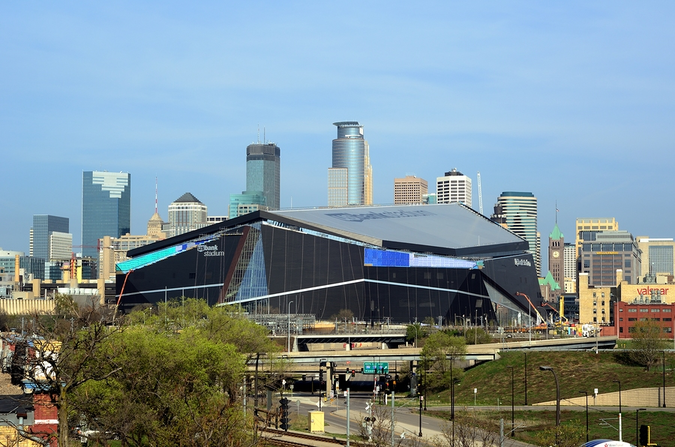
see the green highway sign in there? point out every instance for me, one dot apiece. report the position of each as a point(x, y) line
point(375, 367)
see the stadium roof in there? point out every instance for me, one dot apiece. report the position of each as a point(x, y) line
point(447, 229)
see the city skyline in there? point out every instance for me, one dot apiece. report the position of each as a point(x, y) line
point(571, 102)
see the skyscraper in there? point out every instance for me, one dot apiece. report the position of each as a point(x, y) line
point(186, 213)
point(519, 214)
point(350, 179)
point(263, 172)
point(453, 187)
point(49, 237)
point(106, 208)
point(410, 190)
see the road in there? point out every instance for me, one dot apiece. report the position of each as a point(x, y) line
point(407, 419)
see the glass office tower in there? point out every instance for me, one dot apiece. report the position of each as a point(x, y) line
point(106, 208)
point(350, 152)
point(44, 226)
point(263, 172)
point(519, 211)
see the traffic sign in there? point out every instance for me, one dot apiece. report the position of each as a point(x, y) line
point(375, 367)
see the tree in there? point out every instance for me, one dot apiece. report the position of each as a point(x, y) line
point(343, 315)
point(647, 343)
point(438, 368)
point(566, 435)
point(64, 353)
point(183, 367)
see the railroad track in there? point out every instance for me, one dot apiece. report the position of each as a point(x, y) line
point(309, 438)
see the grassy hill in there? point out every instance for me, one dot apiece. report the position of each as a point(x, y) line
point(576, 371)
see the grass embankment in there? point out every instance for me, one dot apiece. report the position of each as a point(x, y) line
point(576, 371)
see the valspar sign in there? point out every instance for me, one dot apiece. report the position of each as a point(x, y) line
point(522, 262)
point(210, 250)
point(649, 290)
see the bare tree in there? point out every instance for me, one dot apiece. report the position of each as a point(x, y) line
point(63, 351)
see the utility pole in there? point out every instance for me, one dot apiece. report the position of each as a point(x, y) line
point(393, 420)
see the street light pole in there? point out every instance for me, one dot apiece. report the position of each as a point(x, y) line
point(557, 399)
point(664, 378)
point(421, 399)
point(586, 393)
point(452, 393)
point(637, 425)
point(620, 427)
point(289, 326)
point(513, 408)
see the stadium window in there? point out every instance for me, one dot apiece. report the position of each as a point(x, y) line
point(632, 310)
point(656, 310)
point(632, 319)
point(620, 328)
point(644, 310)
point(666, 310)
point(439, 275)
point(427, 275)
point(656, 319)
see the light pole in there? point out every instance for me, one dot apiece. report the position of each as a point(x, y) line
point(620, 427)
point(557, 399)
point(586, 393)
point(513, 408)
point(452, 394)
point(421, 399)
point(289, 326)
point(664, 378)
point(525, 378)
point(637, 425)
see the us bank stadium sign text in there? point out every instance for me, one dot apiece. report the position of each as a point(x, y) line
point(210, 250)
point(522, 262)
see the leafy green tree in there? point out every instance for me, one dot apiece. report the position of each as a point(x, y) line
point(182, 369)
point(647, 343)
point(438, 355)
point(66, 351)
point(476, 335)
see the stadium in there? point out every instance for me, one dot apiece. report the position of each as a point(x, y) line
point(387, 263)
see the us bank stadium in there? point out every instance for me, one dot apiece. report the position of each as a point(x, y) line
point(394, 263)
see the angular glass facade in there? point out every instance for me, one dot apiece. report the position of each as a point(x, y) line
point(263, 172)
point(43, 226)
point(265, 260)
point(106, 208)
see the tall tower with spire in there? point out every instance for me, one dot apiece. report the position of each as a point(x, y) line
point(556, 255)
point(156, 224)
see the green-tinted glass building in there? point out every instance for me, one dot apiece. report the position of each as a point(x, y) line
point(106, 208)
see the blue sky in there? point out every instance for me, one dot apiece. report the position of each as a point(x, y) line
point(573, 101)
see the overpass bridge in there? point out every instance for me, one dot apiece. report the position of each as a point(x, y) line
point(353, 358)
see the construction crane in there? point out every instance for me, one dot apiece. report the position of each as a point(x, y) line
point(533, 307)
point(563, 319)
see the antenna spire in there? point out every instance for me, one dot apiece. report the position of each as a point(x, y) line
point(155, 195)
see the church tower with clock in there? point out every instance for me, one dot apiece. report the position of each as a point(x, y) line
point(556, 254)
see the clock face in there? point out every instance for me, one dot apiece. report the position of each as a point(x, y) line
point(556, 254)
